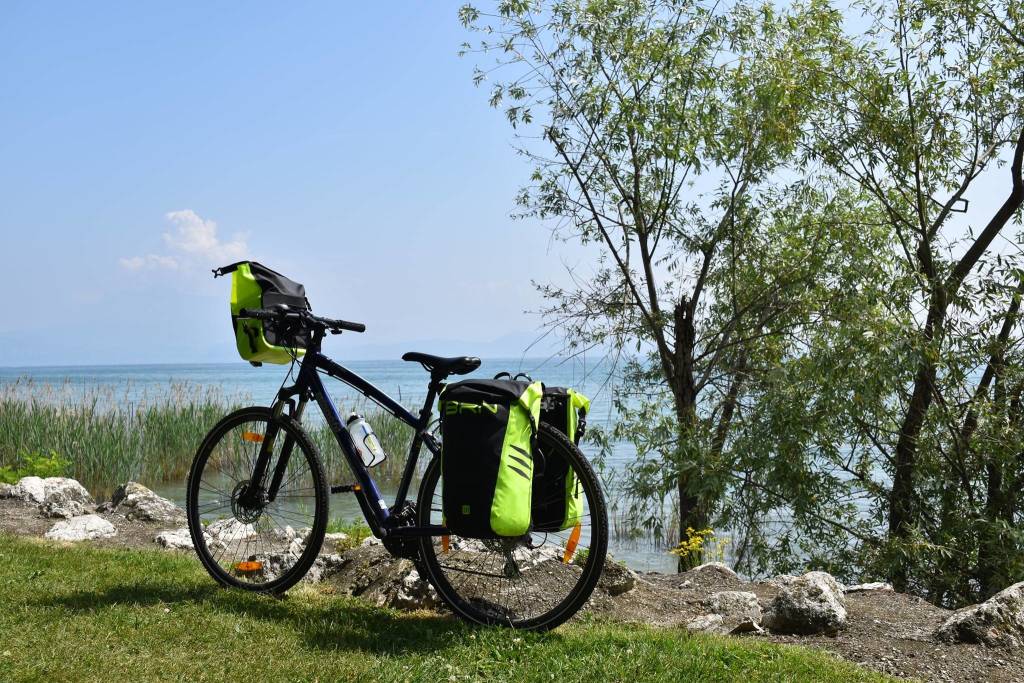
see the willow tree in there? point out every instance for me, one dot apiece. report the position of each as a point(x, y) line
point(662, 134)
point(930, 108)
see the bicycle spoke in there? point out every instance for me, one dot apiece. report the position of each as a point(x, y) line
point(251, 529)
point(524, 581)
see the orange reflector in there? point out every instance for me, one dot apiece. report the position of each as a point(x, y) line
point(252, 436)
point(570, 545)
point(357, 487)
point(445, 543)
point(248, 567)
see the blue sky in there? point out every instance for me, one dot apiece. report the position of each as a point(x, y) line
point(340, 143)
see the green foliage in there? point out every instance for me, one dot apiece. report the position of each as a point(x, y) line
point(673, 131)
point(701, 546)
point(921, 112)
point(356, 531)
point(817, 356)
point(34, 465)
point(159, 616)
point(395, 437)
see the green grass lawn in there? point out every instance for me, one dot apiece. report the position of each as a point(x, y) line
point(79, 613)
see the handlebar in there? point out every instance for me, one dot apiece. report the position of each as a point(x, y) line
point(343, 325)
point(257, 314)
point(285, 313)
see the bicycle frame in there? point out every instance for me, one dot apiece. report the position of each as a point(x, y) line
point(309, 385)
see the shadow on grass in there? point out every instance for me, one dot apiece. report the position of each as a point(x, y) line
point(325, 623)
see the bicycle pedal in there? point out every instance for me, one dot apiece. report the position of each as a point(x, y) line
point(346, 488)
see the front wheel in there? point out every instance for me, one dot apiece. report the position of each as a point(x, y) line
point(244, 538)
point(534, 582)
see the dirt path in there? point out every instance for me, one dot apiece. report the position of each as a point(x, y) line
point(886, 631)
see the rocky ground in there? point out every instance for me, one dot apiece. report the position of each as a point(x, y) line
point(869, 624)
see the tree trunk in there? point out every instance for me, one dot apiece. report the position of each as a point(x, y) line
point(693, 511)
point(739, 375)
point(902, 513)
point(991, 550)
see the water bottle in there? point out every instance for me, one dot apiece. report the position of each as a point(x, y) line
point(366, 442)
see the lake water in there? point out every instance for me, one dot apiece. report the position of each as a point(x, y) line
point(406, 382)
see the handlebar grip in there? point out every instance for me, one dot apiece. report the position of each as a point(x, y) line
point(255, 313)
point(351, 327)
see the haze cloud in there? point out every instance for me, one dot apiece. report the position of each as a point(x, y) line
point(192, 242)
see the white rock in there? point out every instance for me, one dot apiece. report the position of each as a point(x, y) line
point(469, 545)
point(825, 578)
point(56, 496)
point(738, 603)
point(715, 568)
point(65, 486)
point(370, 540)
point(81, 528)
point(786, 579)
point(414, 593)
point(875, 586)
point(136, 502)
point(617, 579)
point(31, 489)
point(324, 567)
point(999, 621)
point(180, 539)
point(231, 531)
point(332, 540)
point(708, 623)
point(275, 564)
point(781, 580)
point(529, 558)
point(63, 497)
point(740, 611)
point(174, 539)
point(809, 604)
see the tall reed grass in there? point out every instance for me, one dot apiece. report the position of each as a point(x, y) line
point(394, 435)
point(111, 436)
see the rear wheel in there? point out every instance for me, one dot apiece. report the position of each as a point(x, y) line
point(534, 582)
point(243, 539)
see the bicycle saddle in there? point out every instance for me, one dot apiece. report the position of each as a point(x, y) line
point(459, 365)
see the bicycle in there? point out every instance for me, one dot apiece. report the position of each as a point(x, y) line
point(258, 512)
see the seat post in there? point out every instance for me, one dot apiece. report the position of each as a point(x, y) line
point(433, 389)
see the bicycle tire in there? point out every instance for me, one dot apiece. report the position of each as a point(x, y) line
point(313, 541)
point(467, 607)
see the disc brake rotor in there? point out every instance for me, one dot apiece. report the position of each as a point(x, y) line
point(245, 513)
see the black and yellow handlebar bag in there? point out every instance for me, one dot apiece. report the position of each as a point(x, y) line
point(255, 286)
point(488, 431)
point(557, 496)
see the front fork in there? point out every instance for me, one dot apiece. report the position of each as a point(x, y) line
point(262, 465)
